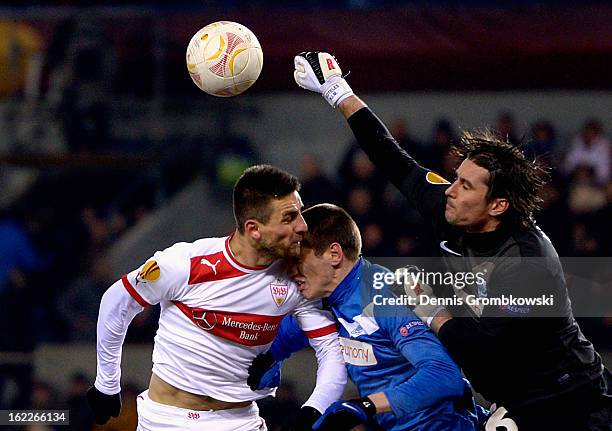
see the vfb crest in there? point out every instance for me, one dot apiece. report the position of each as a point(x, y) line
point(279, 290)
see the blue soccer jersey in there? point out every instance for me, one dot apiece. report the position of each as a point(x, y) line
point(387, 348)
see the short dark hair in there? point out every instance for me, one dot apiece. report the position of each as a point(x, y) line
point(254, 190)
point(327, 224)
point(511, 175)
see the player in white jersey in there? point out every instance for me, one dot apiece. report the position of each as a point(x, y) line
point(222, 300)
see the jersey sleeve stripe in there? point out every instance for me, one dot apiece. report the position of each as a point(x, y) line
point(321, 332)
point(133, 293)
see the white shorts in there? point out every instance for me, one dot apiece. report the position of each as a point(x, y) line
point(153, 416)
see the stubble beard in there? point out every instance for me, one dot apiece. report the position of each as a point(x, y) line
point(274, 252)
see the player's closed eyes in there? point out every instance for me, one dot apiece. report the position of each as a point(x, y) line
point(288, 218)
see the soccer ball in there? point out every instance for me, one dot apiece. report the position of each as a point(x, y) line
point(224, 58)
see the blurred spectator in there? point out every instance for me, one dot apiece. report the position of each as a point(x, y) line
point(602, 225)
point(554, 217)
point(43, 397)
point(97, 226)
point(316, 186)
point(406, 246)
point(143, 326)
point(543, 143)
point(359, 203)
point(374, 240)
point(39, 427)
point(80, 87)
point(505, 127)
point(584, 195)
point(17, 338)
point(439, 149)
point(17, 251)
point(401, 223)
point(401, 132)
point(590, 148)
point(450, 163)
point(76, 402)
point(356, 170)
point(584, 242)
point(78, 304)
point(232, 157)
point(57, 51)
point(20, 43)
point(370, 217)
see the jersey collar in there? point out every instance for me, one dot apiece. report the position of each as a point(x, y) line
point(234, 261)
point(485, 242)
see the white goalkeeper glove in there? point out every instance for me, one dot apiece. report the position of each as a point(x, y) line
point(319, 72)
point(422, 295)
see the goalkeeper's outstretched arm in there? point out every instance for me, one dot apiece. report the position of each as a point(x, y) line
point(320, 72)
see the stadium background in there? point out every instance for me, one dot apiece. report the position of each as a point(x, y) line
point(109, 152)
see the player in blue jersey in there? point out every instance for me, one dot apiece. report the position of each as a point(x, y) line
point(405, 377)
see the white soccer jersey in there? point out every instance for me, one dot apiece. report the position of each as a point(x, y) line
point(217, 315)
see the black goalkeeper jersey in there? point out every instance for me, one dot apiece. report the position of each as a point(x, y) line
point(514, 355)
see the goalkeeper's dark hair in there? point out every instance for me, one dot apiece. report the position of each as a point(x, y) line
point(256, 188)
point(327, 224)
point(511, 175)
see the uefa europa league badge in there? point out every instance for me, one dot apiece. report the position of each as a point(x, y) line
point(279, 290)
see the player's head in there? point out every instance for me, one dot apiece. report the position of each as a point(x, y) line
point(495, 184)
point(329, 249)
point(267, 209)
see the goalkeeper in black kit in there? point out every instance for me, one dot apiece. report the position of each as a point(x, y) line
point(533, 363)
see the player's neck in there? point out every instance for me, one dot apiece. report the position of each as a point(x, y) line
point(343, 270)
point(340, 274)
point(245, 253)
point(489, 226)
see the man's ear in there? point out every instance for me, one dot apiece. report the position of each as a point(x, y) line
point(498, 206)
point(251, 229)
point(336, 253)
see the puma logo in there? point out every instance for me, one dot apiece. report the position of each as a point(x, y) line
point(207, 263)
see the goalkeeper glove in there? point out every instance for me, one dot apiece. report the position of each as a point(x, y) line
point(103, 406)
point(319, 72)
point(420, 294)
point(304, 420)
point(345, 415)
point(264, 372)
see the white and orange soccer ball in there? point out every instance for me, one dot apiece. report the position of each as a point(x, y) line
point(224, 58)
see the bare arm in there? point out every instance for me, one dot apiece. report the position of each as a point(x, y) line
point(351, 105)
point(381, 402)
point(441, 318)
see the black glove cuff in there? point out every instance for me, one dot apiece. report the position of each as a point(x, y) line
point(261, 364)
point(267, 360)
point(309, 415)
point(103, 406)
point(367, 405)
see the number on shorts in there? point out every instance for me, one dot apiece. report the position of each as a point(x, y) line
point(497, 421)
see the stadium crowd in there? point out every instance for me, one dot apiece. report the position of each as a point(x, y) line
point(60, 246)
point(52, 275)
